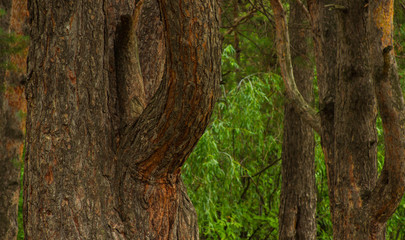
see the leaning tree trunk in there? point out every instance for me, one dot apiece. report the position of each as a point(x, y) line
point(12, 120)
point(298, 191)
point(118, 95)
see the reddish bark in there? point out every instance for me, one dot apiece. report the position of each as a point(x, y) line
point(105, 143)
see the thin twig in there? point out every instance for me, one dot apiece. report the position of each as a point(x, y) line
point(240, 20)
point(305, 9)
point(267, 167)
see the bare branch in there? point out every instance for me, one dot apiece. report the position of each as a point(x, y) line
point(283, 52)
point(304, 8)
point(240, 20)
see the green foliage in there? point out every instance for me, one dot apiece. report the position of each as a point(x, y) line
point(233, 175)
point(10, 43)
point(232, 196)
point(20, 235)
point(253, 51)
point(244, 138)
point(323, 218)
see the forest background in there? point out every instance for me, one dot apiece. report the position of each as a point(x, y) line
point(233, 176)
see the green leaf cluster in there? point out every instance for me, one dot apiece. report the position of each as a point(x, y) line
point(233, 175)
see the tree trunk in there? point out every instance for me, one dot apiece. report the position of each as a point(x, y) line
point(323, 23)
point(298, 191)
point(12, 109)
point(361, 204)
point(355, 158)
point(118, 96)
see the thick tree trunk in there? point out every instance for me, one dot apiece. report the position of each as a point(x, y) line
point(355, 131)
point(12, 107)
point(105, 144)
point(298, 191)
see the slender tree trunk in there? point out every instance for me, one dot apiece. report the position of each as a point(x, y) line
point(298, 191)
point(323, 23)
point(12, 108)
point(390, 186)
point(119, 94)
point(361, 203)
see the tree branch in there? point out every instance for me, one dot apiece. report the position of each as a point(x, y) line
point(283, 52)
point(240, 20)
point(305, 9)
point(157, 144)
point(390, 186)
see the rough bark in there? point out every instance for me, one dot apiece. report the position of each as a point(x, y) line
point(104, 151)
point(390, 186)
point(298, 191)
point(355, 131)
point(12, 107)
point(323, 23)
point(360, 204)
point(284, 55)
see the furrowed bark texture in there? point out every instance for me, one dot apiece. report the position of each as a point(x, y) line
point(366, 69)
point(391, 184)
point(323, 22)
point(298, 191)
point(12, 125)
point(105, 142)
point(155, 147)
point(355, 132)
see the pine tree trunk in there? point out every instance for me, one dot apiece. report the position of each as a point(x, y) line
point(118, 96)
point(298, 190)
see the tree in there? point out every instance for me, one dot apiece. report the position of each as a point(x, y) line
point(118, 95)
point(361, 203)
point(298, 191)
point(12, 109)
